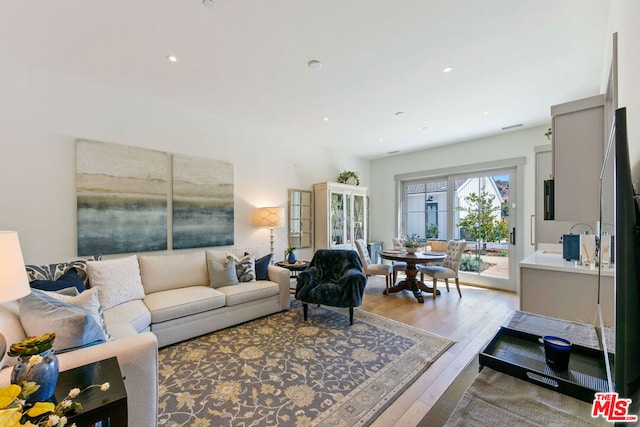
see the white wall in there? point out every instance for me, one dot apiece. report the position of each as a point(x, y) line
point(509, 145)
point(625, 20)
point(42, 114)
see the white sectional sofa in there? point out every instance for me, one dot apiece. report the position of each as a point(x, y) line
point(176, 302)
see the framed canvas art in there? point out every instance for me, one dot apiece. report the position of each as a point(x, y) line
point(121, 198)
point(202, 202)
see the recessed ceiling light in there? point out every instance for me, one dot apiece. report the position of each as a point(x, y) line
point(447, 69)
point(209, 3)
point(325, 118)
point(485, 113)
point(172, 58)
point(380, 140)
point(314, 64)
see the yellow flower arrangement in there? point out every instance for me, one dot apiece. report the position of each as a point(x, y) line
point(14, 409)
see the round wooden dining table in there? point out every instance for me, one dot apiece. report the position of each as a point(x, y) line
point(411, 283)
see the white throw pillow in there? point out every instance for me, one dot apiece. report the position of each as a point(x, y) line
point(118, 280)
point(74, 326)
point(89, 301)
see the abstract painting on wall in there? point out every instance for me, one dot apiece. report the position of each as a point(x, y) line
point(202, 202)
point(122, 198)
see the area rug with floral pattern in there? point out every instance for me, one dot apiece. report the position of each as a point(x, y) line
point(283, 371)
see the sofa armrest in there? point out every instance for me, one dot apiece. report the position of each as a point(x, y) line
point(281, 276)
point(138, 359)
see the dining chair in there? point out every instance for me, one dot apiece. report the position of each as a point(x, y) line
point(449, 268)
point(369, 267)
point(397, 266)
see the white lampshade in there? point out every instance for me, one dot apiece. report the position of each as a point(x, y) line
point(268, 217)
point(14, 283)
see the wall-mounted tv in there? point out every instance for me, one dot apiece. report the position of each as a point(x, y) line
point(626, 370)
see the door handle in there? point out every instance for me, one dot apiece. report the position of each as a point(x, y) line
point(532, 234)
point(512, 236)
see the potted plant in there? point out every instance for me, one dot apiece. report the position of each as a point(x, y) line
point(37, 365)
point(349, 177)
point(412, 243)
point(290, 254)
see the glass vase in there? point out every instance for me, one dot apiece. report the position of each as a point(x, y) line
point(45, 374)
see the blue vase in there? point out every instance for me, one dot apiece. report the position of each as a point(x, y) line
point(45, 374)
point(291, 258)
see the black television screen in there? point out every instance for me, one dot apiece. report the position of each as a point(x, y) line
point(627, 275)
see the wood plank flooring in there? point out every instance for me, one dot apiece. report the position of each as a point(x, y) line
point(470, 321)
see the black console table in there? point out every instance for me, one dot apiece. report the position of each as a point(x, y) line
point(106, 407)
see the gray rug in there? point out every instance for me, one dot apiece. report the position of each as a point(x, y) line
point(283, 371)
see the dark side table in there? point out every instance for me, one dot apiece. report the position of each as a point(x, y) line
point(294, 268)
point(108, 407)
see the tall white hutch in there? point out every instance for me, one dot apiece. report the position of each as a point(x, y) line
point(340, 215)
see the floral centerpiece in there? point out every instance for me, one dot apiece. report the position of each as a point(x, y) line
point(412, 243)
point(36, 361)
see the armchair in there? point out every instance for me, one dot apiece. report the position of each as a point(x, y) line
point(335, 278)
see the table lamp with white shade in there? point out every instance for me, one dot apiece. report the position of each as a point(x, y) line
point(14, 283)
point(269, 217)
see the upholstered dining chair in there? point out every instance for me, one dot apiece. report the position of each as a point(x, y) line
point(397, 266)
point(449, 268)
point(335, 278)
point(369, 267)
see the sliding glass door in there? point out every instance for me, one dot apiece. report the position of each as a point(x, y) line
point(473, 207)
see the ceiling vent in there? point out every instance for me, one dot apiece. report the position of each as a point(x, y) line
point(519, 125)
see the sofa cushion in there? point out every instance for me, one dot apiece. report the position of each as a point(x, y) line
point(118, 280)
point(222, 273)
point(133, 312)
point(250, 291)
point(176, 303)
point(74, 326)
point(69, 279)
point(161, 273)
point(54, 271)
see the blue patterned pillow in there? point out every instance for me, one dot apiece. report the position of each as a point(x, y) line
point(55, 271)
point(69, 279)
point(245, 268)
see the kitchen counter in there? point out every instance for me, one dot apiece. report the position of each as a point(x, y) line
point(554, 287)
point(549, 260)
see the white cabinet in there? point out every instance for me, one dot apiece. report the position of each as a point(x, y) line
point(340, 215)
point(546, 231)
point(578, 152)
point(557, 288)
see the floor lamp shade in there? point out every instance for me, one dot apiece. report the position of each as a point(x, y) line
point(268, 217)
point(14, 283)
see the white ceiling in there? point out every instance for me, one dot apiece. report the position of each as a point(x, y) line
point(246, 61)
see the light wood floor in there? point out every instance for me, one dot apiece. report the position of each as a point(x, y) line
point(470, 321)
